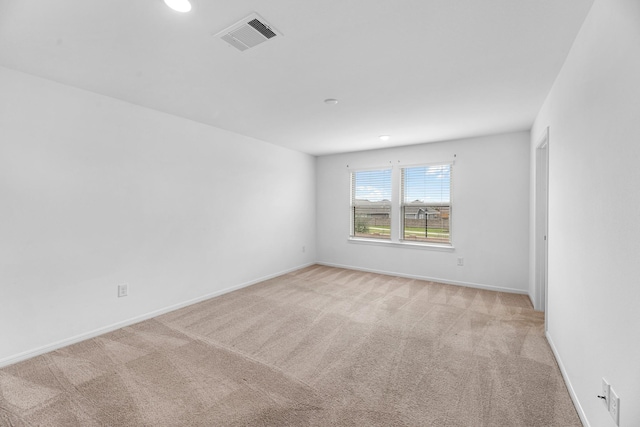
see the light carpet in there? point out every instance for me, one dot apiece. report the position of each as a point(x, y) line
point(320, 346)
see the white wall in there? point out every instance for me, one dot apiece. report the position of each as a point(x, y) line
point(490, 199)
point(593, 113)
point(95, 192)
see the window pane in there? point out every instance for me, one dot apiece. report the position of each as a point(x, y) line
point(371, 204)
point(427, 184)
point(426, 205)
point(371, 221)
point(372, 186)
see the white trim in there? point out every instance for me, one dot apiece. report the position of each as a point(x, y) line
point(401, 243)
point(430, 279)
point(100, 331)
point(565, 376)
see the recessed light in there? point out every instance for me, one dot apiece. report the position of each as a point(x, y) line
point(179, 5)
point(331, 101)
point(384, 137)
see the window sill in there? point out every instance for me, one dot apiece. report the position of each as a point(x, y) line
point(401, 244)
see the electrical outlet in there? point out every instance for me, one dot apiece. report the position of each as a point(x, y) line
point(614, 406)
point(304, 249)
point(605, 393)
point(123, 290)
point(460, 262)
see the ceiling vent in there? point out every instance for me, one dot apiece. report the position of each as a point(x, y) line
point(248, 32)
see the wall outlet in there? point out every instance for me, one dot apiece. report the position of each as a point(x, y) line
point(460, 262)
point(123, 290)
point(304, 249)
point(605, 393)
point(614, 406)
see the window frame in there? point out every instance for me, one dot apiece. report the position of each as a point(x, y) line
point(353, 205)
point(402, 204)
point(396, 220)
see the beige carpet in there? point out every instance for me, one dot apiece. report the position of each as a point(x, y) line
point(321, 347)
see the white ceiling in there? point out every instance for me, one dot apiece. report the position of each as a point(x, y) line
point(418, 70)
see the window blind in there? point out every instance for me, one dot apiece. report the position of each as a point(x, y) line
point(426, 203)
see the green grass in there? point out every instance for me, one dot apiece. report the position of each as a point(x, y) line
point(380, 229)
point(421, 230)
point(385, 230)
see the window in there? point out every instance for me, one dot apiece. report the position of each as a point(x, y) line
point(371, 204)
point(415, 212)
point(426, 203)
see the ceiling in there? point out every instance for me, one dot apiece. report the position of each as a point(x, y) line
point(418, 70)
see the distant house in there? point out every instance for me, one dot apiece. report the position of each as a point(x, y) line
point(413, 210)
point(416, 212)
point(426, 210)
point(377, 209)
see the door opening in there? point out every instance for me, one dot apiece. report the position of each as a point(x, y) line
point(541, 223)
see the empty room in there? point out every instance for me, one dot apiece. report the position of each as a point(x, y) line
point(336, 213)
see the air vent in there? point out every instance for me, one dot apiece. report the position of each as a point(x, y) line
point(248, 32)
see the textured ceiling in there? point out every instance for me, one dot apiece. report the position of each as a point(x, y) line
point(419, 71)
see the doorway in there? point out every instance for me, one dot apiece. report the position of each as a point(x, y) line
point(541, 223)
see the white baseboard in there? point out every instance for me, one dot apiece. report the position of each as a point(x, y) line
point(100, 331)
point(431, 279)
point(572, 392)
